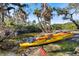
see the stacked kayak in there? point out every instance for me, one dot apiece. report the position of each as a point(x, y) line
point(48, 38)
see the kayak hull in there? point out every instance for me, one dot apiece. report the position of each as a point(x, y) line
point(44, 41)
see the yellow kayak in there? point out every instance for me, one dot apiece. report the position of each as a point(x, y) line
point(43, 40)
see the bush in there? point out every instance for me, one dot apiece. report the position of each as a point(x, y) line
point(27, 29)
point(33, 28)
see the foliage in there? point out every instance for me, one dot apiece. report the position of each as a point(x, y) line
point(66, 26)
point(66, 12)
point(69, 26)
point(57, 26)
point(33, 29)
point(9, 23)
point(28, 29)
point(37, 12)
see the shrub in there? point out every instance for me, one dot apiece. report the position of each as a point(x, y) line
point(27, 29)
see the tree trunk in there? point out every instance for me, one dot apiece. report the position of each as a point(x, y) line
point(41, 26)
point(2, 17)
point(44, 6)
point(49, 27)
point(74, 22)
point(46, 25)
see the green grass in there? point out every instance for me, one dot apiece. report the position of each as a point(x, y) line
point(68, 46)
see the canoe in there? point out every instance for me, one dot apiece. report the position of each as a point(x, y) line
point(44, 40)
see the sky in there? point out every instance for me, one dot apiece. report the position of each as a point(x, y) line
point(55, 20)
